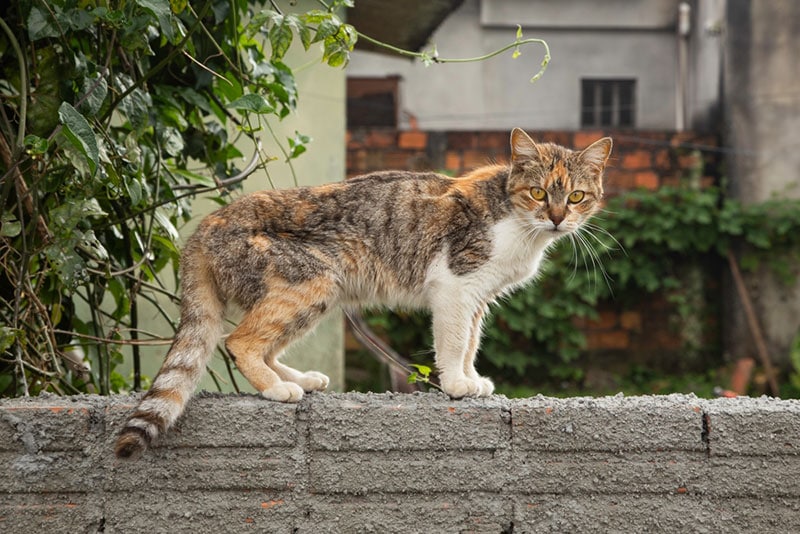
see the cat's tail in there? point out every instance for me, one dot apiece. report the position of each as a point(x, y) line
point(200, 328)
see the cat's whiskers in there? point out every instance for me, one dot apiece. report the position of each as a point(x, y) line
point(594, 256)
point(599, 229)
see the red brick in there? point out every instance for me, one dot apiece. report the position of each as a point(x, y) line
point(462, 140)
point(494, 140)
point(452, 161)
point(559, 138)
point(606, 319)
point(647, 180)
point(585, 138)
point(631, 320)
point(689, 161)
point(619, 180)
point(638, 159)
point(682, 137)
point(474, 158)
point(608, 340)
point(396, 159)
point(414, 139)
point(662, 160)
point(381, 138)
point(355, 139)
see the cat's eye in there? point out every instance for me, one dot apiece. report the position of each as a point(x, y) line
point(576, 196)
point(538, 193)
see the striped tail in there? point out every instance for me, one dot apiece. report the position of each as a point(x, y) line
point(199, 330)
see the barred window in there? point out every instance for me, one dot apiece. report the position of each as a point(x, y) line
point(608, 103)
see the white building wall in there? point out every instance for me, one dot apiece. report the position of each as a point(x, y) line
point(497, 93)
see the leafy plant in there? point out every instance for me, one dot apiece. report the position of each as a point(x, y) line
point(115, 116)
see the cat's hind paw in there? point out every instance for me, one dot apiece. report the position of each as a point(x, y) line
point(283, 392)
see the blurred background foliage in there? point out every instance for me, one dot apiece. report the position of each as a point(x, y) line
point(114, 116)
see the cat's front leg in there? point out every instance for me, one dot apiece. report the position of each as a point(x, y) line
point(486, 385)
point(456, 333)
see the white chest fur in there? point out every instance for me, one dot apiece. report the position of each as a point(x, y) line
point(517, 253)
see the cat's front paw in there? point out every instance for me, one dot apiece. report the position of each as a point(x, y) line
point(486, 386)
point(464, 386)
point(284, 392)
point(313, 381)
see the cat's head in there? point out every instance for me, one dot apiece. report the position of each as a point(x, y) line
point(553, 188)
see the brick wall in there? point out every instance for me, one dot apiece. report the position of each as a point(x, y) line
point(406, 463)
point(640, 159)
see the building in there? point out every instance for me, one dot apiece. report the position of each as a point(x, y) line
point(615, 64)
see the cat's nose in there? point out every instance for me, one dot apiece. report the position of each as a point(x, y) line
point(556, 218)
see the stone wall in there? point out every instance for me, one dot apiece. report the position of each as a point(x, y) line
point(406, 463)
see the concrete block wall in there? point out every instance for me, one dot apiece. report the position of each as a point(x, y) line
point(406, 463)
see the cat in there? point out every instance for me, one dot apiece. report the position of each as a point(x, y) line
point(391, 238)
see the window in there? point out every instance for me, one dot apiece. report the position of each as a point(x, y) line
point(372, 101)
point(608, 103)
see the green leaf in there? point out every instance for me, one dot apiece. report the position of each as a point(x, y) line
point(162, 11)
point(297, 145)
point(164, 222)
point(93, 92)
point(11, 226)
point(7, 337)
point(80, 134)
point(41, 25)
point(280, 38)
point(423, 370)
point(36, 145)
point(252, 102)
point(134, 189)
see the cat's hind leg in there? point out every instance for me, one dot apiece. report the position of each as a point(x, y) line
point(283, 316)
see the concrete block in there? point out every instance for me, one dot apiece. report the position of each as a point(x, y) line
point(431, 421)
point(653, 513)
point(200, 511)
point(49, 423)
point(746, 426)
point(362, 472)
point(611, 424)
point(756, 477)
point(53, 513)
point(233, 468)
point(59, 471)
point(209, 421)
point(604, 473)
point(468, 513)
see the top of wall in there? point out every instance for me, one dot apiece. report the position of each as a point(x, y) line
point(581, 14)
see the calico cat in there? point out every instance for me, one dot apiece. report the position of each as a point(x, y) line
point(413, 240)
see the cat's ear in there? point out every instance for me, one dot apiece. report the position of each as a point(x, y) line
point(522, 147)
point(596, 154)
